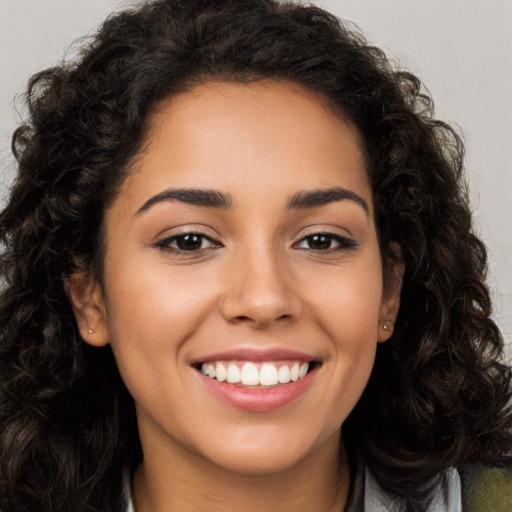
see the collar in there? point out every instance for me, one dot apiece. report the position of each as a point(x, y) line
point(447, 495)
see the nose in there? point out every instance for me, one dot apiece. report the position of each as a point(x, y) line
point(260, 292)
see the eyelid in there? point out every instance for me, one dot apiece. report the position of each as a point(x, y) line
point(164, 243)
point(345, 242)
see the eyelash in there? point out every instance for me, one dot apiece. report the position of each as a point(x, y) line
point(344, 243)
point(165, 244)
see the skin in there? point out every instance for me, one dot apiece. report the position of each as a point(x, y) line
point(258, 285)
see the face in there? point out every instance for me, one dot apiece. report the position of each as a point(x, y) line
point(243, 293)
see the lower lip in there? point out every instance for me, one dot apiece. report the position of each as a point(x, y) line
point(258, 400)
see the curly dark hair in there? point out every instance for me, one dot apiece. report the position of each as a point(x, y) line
point(438, 393)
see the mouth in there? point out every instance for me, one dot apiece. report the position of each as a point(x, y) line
point(256, 375)
point(257, 381)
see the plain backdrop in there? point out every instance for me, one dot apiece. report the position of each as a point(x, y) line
point(461, 49)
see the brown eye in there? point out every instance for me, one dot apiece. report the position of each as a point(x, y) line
point(323, 242)
point(190, 242)
point(187, 242)
point(319, 242)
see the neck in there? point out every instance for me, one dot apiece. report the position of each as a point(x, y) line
point(320, 483)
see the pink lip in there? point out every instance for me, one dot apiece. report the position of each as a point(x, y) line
point(256, 356)
point(257, 399)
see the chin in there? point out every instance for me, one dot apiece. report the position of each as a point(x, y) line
point(272, 454)
point(263, 463)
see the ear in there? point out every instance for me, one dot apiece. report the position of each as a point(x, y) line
point(86, 296)
point(392, 287)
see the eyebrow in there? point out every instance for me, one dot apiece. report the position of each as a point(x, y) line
point(216, 199)
point(196, 197)
point(321, 197)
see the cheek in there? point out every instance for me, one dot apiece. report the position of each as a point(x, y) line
point(348, 306)
point(153, 310)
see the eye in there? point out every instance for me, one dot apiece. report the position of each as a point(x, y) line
point(325, 242)
point(187, 243)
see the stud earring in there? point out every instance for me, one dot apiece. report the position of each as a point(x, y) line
point(90, 331)
point(386, 327)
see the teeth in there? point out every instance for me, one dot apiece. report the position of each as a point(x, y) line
point(268, 375)
point(294, 372)
point(220, 372)
point(233, 373)
point(251, 374)
point(283, 375)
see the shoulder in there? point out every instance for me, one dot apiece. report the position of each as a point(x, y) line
point(445, 495)
point(487, 487)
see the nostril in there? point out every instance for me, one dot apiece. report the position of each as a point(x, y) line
point(259, 309)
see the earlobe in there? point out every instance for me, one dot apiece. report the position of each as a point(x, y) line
point(391, 296)
point(385, 330)
point(86, 296)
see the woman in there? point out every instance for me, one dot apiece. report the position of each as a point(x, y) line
point(240, 274)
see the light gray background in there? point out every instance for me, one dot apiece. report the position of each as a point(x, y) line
point(461, 49)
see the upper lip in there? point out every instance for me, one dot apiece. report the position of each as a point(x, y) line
point(255, 355)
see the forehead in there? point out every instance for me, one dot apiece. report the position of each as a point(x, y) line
point(224, 135)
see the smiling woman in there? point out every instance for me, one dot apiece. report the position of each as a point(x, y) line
point(240, 275)
point(246, 280)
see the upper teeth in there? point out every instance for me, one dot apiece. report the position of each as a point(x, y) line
point(252, 374)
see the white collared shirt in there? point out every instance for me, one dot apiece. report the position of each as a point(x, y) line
point(377, 500)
